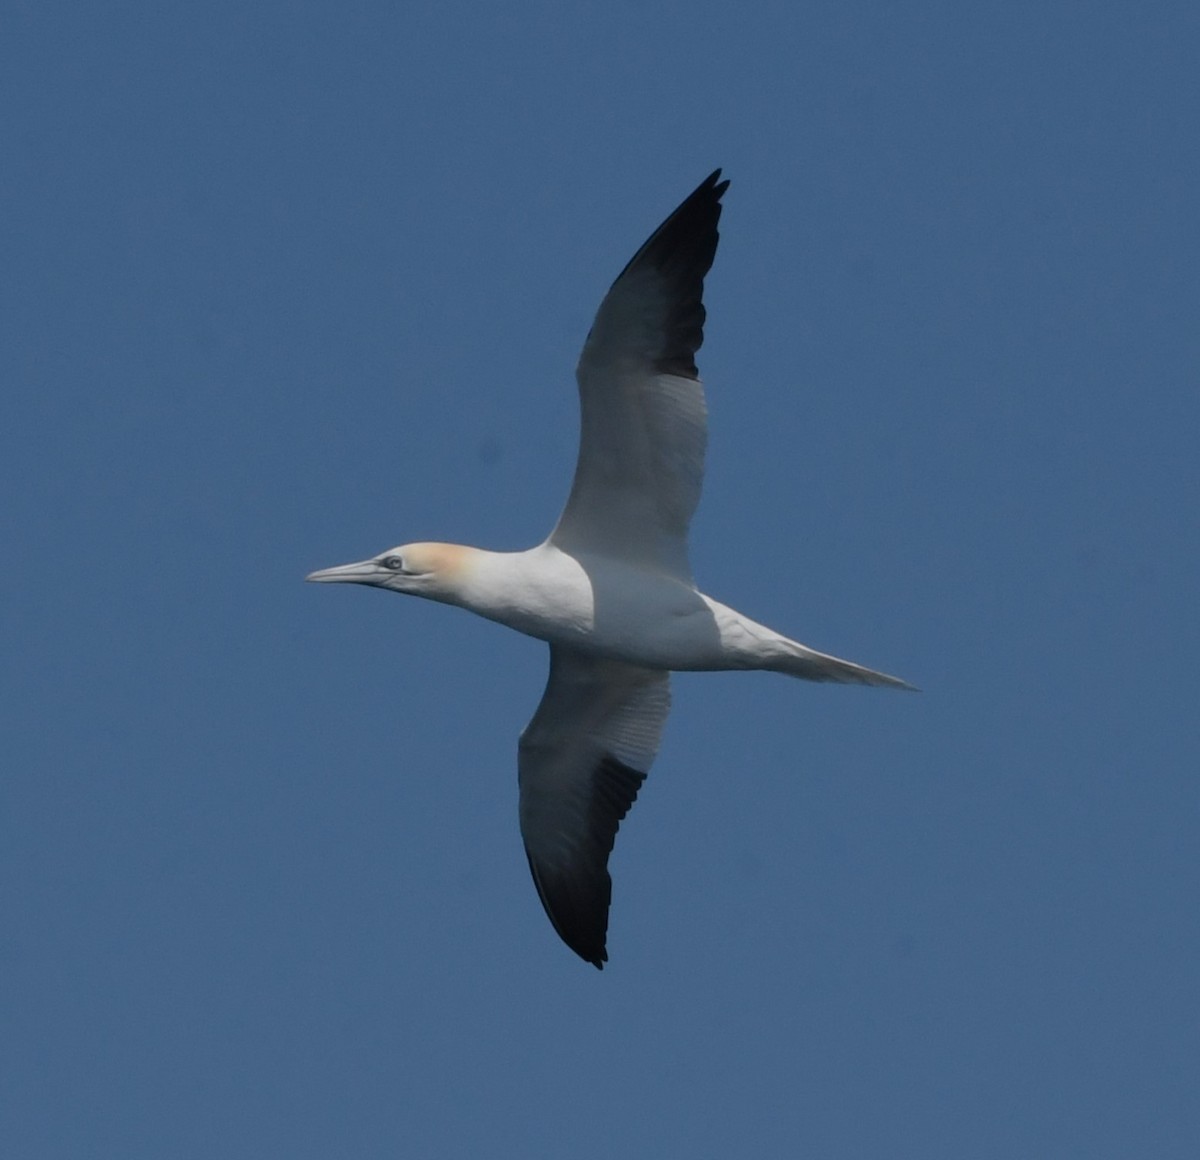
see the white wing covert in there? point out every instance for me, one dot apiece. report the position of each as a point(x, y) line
point(643, 425)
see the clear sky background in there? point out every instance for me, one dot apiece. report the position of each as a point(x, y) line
point(285, 285)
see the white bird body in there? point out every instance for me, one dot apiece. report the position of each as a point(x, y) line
point(608, 607)
point(620, 610)
point(611, 589)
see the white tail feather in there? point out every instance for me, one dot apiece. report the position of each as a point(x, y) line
point(810, 665)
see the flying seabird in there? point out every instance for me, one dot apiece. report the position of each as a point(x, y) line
point(611, 589)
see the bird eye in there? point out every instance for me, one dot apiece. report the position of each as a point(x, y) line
point(393, 563)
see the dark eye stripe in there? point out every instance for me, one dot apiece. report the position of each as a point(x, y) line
point(393, 563)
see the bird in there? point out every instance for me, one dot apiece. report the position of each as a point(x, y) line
point(611, 589)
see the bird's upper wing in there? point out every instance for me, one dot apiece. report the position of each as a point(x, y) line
point(643, 427)
point(581, 761)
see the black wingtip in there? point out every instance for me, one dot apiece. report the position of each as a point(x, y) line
point(583, 929)
point(711, 188)
point(688, 236)
point(711, 182)
point(681, 251)
point(577, 899)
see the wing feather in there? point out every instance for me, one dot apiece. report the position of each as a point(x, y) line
point(643, 423)
point(581, 761)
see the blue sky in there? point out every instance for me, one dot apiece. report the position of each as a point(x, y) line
point(287, 284)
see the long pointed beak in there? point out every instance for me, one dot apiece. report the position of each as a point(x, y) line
point(364, 572)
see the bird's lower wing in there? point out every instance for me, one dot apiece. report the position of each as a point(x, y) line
point(581, 761)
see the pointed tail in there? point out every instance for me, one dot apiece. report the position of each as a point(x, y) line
point(810, 665)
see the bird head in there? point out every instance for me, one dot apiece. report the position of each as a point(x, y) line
point(429, 570)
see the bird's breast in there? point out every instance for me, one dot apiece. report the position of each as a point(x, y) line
point(599, 605)
point(542, 594)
